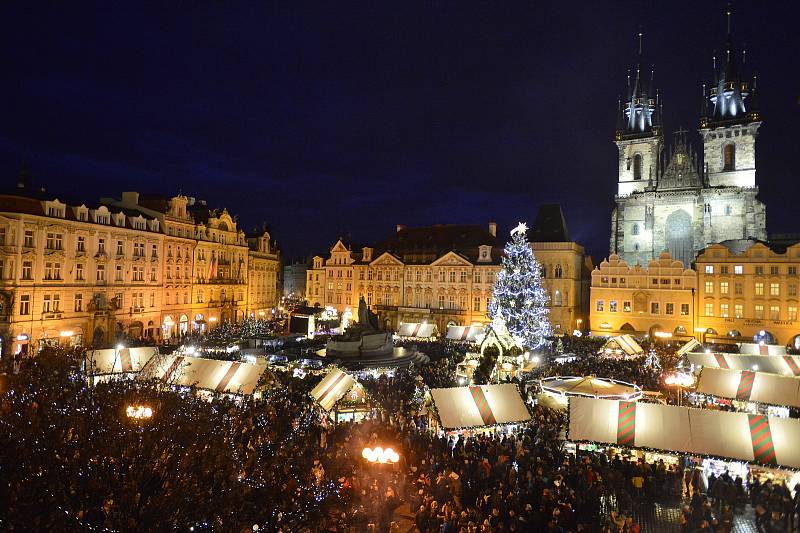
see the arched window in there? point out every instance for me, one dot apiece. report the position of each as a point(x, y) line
point(729, 157)
point(728, 210)
point(637, 167)
point(557, 272)
point(635, 229)
point(542, 272)
point(557, 300)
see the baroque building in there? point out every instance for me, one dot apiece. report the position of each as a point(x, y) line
point(136, 267)
point(445, 274)
point(674, 199)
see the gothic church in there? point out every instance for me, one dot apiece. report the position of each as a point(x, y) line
point(674, 199)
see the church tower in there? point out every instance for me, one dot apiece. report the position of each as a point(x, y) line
point(729, 122)
point(638, 136)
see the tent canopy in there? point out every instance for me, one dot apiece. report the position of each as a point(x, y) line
point(219, 376)
point(591, 386)
point(480, 405)
point(751, 348)
point(740, 436)
point(332, 388)
point(625, 344)
point(125, 360)
point(416, 329)
point(688, 347)
point(747, 385)
point(464, 333)
point(787, 365)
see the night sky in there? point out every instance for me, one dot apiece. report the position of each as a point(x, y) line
point(345, 118)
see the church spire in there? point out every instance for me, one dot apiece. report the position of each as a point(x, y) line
point(639, 111)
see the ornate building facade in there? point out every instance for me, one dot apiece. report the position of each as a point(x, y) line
point(139, 267)
point(445, 274)
point(677, 200)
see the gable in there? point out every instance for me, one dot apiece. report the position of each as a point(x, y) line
point(451, 259)
point(339, 247)
point(387, 259)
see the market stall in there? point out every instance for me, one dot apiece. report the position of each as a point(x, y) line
point(787, 365)
point(559, 389)
point(690, 346)
point(746, 385)
point(416, 330)
point(341, 396)
point(752, 348)
point(738, 436)
point(479, 406)
point(213, 375)
point(464, 333)
point(622, 346)
point(118, 362)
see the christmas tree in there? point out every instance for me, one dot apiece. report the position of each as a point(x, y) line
point(518, 297)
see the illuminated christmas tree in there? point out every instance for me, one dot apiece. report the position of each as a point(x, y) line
point(518, 297)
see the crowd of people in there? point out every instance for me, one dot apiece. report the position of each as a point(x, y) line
point(71, 458)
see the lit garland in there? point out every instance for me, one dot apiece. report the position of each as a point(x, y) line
point(518, 297)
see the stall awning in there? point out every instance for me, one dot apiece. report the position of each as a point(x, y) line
point(688, 347)
point(416, 329)
point(787, 365)
point(123, 361)
point(231, 377)
point(747, 385)
point(464, 333)
point(739, 436)
point(332, 387)
point(751, 348)
point(479, 405)
point(590, 386)
point(624, 343)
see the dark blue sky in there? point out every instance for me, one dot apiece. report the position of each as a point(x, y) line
point(346, 118)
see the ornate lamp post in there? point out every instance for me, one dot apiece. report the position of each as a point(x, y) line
point(679, 380)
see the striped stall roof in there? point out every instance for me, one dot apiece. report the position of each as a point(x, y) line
point(122, 361)
point(332, 388)
point(416, 329)
point(464, 333)
point(480, 405)
point(751, 386)
point(786, 365)
point(231, 377)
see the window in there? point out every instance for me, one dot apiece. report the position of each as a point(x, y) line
point(476, 278)
point(48, 270)
point(47, 304)
point(54, 241)
point(118, 273)
point(101, 272)
point(476, 303)
point(2, 235)
point(600, 306)
point(759, 270)
point(723, 310)
point(684, 309)
point(81, 245)
point(635, 229)
point(709, 307)
point(138, 249)
point(637, 167)
point(153, 299)
point(654, 308)
point(154, 251)
point(626, 307)
point(774, 270)
point(774, 289)
point(451, 302)
point(758, 311)
point(677, 281)
point(558, 300)
point(27, 270)
point(25, 304)
point(441, 301)
point(738, 310)
point(728, 210)
point(793, 271)
point(759, 288)
point(428, 276)
point(774, 312)
point(723, 287)
point(723, 269)
point(709, 269)
point(138, 273)
point(78, 303)
point(28, 242)
point(792, 289)
point(792, 312)
point(463, 276)
point(120, 248)
point(738, 270)
point(612, 306)
point(738, 288)
point(669, 309)
point(118, 300)
point(453, 276)
point(729, 157)
point(101, 246)
point(558, 272)
point(709, 287)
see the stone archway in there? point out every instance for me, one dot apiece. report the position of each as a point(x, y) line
point(627, 328)
point(680, 237)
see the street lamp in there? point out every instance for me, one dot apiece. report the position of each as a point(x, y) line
point(679, 380)
point(139, 412)
point(379, 455)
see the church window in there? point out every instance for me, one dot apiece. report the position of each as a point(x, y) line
point(729, 157)
point(636, 247)
point(635, 229)
point(728, 210)
point(557, 272)
point(557, 300)
point(637, 167)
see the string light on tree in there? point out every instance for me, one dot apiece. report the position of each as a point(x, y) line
point(518, 297)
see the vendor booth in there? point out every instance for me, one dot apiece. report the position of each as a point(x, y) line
point(746, 385)
point(690, 346)
point(479, 406)
point(557, 390)
point(787, 365)
point(118, 362)
point(341, 396)
point(464, 333)
point(738, 436)
point(752, 348)
point(416, 330)
point(213, 375)
point(622, 346)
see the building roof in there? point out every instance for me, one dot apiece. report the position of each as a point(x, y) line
point(550, 225)
point(425, 244)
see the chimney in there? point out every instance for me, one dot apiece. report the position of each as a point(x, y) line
point(493, 228)
point(130, 198)
point(400, 227)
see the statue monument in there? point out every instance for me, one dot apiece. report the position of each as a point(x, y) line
point(364, 338)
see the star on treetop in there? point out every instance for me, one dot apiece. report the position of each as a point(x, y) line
point(521, 228)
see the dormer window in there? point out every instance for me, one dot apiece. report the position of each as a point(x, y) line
point(484, 253)
point(119, 219)
point(55, 209)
